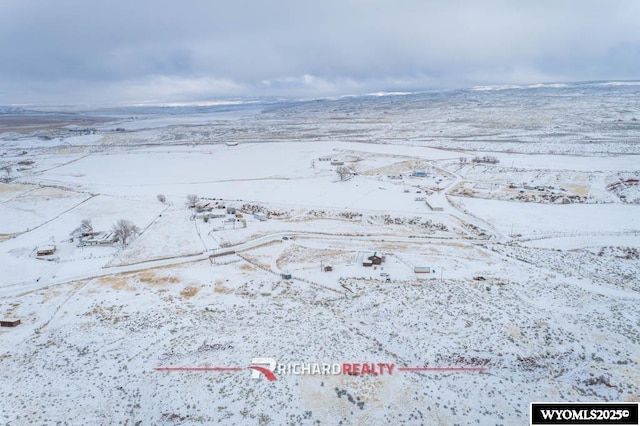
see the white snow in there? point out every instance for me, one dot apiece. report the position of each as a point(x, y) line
point(543, 295)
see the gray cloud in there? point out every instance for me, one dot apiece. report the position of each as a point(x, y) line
point(73, 51)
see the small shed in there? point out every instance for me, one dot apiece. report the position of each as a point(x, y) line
point(285, 275)
point(328, 268)
point(212, 215)
point(419, 173)
point(260, 216)
point(433, 205)
point(367, 263)
point(47, 250)
point(422, 269)
point(9, 322)
point(376, 259)
point(337, 163)
point(231, 210)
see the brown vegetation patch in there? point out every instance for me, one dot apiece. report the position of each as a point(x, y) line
point(395, 168)
point(221, 288)
point(6, 188)
point(13, 307)
point(189, 291)
point(150, 277)
point(116, 282)
point(125, 281)
point(50, 294)
point(301, 254)
point(48, 192)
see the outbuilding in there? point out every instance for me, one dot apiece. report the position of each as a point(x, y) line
point(433, 205)
point(47, 250)
point(9, 322)
point(376, 259)
point(101, 239)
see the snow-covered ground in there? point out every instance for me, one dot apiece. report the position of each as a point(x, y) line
point(529, 271)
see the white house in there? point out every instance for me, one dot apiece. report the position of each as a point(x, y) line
point(260, 216)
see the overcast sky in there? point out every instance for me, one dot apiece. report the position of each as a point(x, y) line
point(134, 51)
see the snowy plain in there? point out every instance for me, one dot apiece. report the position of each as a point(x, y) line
point(541, 292)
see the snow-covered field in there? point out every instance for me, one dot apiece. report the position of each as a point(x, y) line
point(528, 276)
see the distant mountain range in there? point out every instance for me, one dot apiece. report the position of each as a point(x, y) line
point(203, 107)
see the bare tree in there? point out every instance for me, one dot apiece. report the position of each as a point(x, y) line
point(344, 172)
point(124, 230)
point(192, 200)
point(8, 172)
point(162, 198)
point(86, 226)
point(489, 159)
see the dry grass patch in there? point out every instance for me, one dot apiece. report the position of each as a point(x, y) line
point(582, 190)
point(301, 254)
point(125, 281)
point(13, 306)
point(116, 282)
point(95, 311)
point(49, 192)
point(50, 294)
point(189, 291)
point(396, 247)
point(14, 188)
point(256, 262)
point(392, 169)
point(150, 277)
point(221, 288)
point(69, 150)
